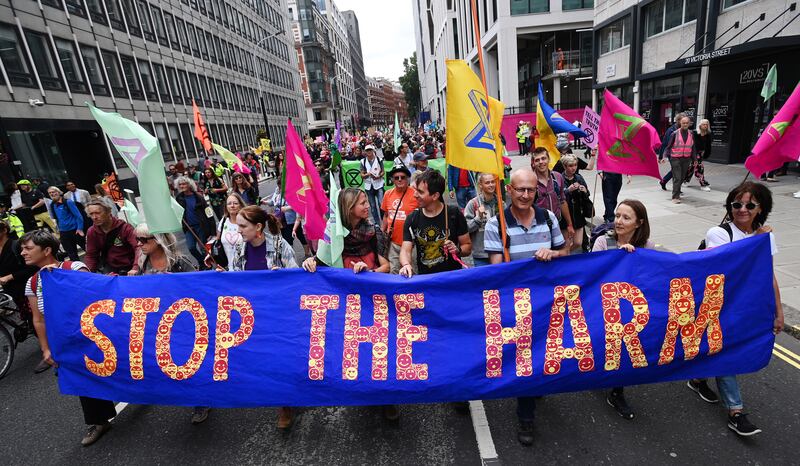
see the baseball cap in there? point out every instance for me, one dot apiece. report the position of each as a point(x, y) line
point(369, 147)
point(419, 156)
point(399, 168)
point(23, 181)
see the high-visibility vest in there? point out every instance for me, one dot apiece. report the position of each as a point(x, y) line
point(681, 148)
point(15, 224)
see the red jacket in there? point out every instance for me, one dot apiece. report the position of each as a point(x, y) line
point(122, 256)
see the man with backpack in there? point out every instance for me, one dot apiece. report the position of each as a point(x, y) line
point(111, 245)
point(550, 193)
point(39, 248)
point(531, 232)
point(70, 222)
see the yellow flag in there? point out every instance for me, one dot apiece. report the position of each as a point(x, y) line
point(546, 137)
point(473, 122)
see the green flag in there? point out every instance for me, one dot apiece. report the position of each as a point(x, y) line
point(140, 151)
point(131, 213)
point(229, 158)
point(351, 174)
point(770, 83)
point(396, 134)
point(332, 244)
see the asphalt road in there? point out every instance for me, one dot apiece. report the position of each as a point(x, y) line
point(672, 426)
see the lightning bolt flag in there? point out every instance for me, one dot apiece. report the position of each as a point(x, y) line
point(304, 191)
point(780, 141)
point(627, 142)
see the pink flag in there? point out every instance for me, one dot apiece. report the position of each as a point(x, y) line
point(627, 142)
point(780, 141)
point(303, 187)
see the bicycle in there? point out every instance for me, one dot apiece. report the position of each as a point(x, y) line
point(20, 331)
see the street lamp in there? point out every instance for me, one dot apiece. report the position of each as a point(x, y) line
point(260, 93)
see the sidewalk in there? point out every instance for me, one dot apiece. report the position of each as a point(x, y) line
point(681, 227)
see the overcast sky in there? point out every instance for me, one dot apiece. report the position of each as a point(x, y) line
point(387, 34)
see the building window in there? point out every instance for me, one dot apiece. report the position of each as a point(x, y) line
point(132, 77)
point(96, 11)
point(93, 70)
point(186, 90)
point(147, 24)
point(184, 36)
point(616, 35)
point(130, 17)
point(172, 31)
point(114, 74)
point(524, 7)
point(730, 3)
point(158, 21)
point(175, 140)
point(75, 7)
point(195, 40)
point(43, 60)
point(198, 97)
point(174, 85)
point(13, 58)
point(70, 65)
point(161, 82)
point(576, 4)
point(147, 80)
point(115, 14)
point(663, 15)
point(163, 142)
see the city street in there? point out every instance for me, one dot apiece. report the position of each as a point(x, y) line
point(671, 425)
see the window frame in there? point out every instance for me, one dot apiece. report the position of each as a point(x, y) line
point(98, 88)
point(75, 85)
point(23, 78)
point(50, 82)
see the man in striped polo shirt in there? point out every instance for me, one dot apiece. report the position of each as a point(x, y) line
point(532, 232)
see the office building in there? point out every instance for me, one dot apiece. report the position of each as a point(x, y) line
point(147, 61)
point(362, 115)
point(707, 58)
point(523, 42)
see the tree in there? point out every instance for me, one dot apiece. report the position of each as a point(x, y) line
point(409, 81)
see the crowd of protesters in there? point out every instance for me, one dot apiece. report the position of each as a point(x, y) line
point(425, 223)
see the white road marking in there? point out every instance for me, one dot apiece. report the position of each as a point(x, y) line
point(120, 406)
point(483, 433)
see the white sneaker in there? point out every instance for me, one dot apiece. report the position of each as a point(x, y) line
point(705, 188)
point(796, 195)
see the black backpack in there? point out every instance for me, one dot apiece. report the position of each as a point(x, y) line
point(603, 229)
point(725, 226)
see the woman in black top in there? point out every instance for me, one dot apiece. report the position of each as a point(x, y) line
point(242, 187)
point(702, 145)
point(578, 201)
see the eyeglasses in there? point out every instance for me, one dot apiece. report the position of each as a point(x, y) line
point(144, 239)
point(524, 190)
point(399, 178)
point(748, 206)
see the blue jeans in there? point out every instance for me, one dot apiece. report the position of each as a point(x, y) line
point(191, 244)
point(729, 393)
point(480, 262)
point(375, 197)
point(464, 194)
point(526, 408)
point(612, 185)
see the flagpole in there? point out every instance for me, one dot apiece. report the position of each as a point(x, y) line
point(498, 192)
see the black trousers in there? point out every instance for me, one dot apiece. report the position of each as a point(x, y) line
point(97, 411)
point(71, 240)
point(612, 185)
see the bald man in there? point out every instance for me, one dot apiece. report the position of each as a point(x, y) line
point(532, 232)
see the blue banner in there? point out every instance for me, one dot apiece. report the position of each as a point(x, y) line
point(292, 338)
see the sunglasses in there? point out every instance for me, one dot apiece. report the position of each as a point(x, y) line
point(399, 178)
point(144, 239)
point(748, 206)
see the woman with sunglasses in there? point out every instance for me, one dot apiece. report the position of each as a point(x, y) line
point(747, 208)
point(160, 254)
point(242, 187)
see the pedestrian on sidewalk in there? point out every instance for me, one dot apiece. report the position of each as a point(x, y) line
point(478, 211)
point(532, 232)
point(39, 249)
point(747, 208)
point(372, 174)
point(631, 231)
point(702, 144)
point(664, 141)
point(70, 222)
point(681, 151)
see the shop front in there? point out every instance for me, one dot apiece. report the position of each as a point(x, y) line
point(662, 98)
point(735, 108)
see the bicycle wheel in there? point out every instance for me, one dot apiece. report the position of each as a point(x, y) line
point(6, 350)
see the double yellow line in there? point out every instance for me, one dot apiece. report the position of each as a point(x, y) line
point(787, 355)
